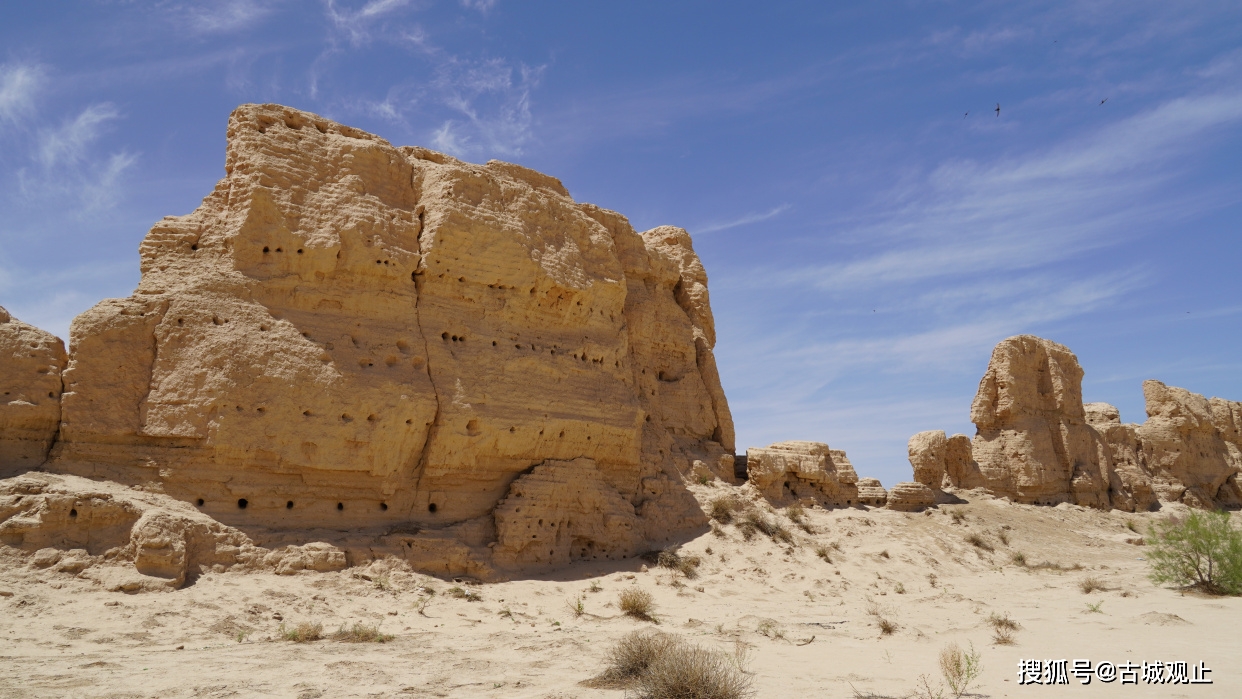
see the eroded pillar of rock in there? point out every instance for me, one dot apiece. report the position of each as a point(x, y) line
point(31, 362)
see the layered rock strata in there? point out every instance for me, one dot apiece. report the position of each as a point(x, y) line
point(1038, 443)
point(354, 336)
point(910, 497)
point(797, 471)
point(31, 361)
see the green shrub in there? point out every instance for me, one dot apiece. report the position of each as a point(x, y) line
point(1204, 552)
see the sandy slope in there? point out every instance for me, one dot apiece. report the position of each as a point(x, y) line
point(60, 636)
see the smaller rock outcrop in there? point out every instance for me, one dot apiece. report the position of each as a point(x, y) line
point(927, 452)
point(31, 361)
point(871, 492)
point(910, 497)
point(130, 540)
point(792, 471)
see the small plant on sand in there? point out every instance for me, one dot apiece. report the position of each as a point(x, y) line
point(795, 513)
point(769, 628)
point(687, 565)
point(705, 479)
point(884, 554)
point(595, 586)
point(1018, 558)
point(822, 552)
point(1090, 584)
point(1002, 637)
point(1132, 526)
point(886, 627)
point(1203, 552)
point(958, 516)
point(662, 666)
point(722, 509)
point(1002, 621)
point(458, 592)
point(361, 633)
point(577, 606)
point(1095, 608)
point(304, 632)
point(637, 602)
point(899, 589)
point(753, 520)
point(960, 668)
point(1004, 538)
point(932, 579)
point(243, 635)
point(979, 542)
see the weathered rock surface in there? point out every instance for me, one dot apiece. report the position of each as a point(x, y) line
point(871, 492)
point(1037, 443)
point(793, 471)
point(1033, 443)
point(131, 540)
point(31, 361)
point(910, 497)
point(347, 335)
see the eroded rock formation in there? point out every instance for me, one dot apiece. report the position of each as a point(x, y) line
point(354, 336)
point(1038, 443)
point(910, 497)
point(30, 364)
point(794, 471)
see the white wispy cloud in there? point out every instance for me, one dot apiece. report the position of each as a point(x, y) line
point(483, 6)
point(19, 83)
point(358, 24)
point(494, 98)
point(743, 220)
point(66, 162)
point(225, 15)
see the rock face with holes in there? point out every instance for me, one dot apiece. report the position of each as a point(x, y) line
point(30, 364)
point(1037, 442)
point(910, 497)
point(793, 471)
point(352, 335)
point(871, 492)
point(1033, 443)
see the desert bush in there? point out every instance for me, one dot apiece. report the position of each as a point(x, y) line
point(361, 633)
point(304, 632)
point(958, 516)
point(688, 671)
point(822, 552)
point(884, 554)
point(1002, 637)
point(795, 513)
point(887, 627)
point(960, 668)
point(722, 509)
point(657, 665)
point(771, 629)
point(1004, 538)
point(458, 592)
point(1090, 584)
point(979, 542)
point(1203, 552)
point(998, 621)
point(577, 606)
point(686, 565)
point(1018, 558)
point(637, 602)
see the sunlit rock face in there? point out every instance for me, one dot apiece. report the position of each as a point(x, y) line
point(351, 335)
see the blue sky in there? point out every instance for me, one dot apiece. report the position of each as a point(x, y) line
point(870, 226)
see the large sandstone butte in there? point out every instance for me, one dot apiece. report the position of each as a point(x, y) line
point(458, 359)
point(1038, 443)
point(30, 364)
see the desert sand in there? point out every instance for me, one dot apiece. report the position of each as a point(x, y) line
point(807, 626)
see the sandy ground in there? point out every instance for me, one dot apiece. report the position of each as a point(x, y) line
point(810, 626)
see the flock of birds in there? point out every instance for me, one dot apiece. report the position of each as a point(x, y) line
point(997, 110)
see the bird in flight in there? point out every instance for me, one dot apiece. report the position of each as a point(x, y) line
point(966, 115)
point(1103, 100)
point(998, 109)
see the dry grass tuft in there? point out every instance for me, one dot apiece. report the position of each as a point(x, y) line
point(661, 666)
point(458, 592)
point(887, 627)
point(1018, 558)
point(753, 521)
point(771, 629)
point(1091, 584)
point(958, 516)
point(960, 668)
point(823, 552)
point(979, 542)
point(884, 554)
point(304, 632)
point(638, 603)
point(1002, 637)
point(687, 565)
point(998, 621)
point(723, 509)
point(361, 633)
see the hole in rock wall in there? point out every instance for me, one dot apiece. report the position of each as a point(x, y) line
point(266, 249)
point(289, 505)
point(194, 246)
point(241, 503)
point(340, 505)
point(299, 251)
point(384, 506)
point(431, 508)
point(73, 513)
point(199, 502)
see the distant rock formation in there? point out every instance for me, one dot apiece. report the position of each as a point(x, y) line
point(871, 492)
point(357, 337)
point(793, 471)
point(1038, 443)
point(910, 497)
point(30, 364)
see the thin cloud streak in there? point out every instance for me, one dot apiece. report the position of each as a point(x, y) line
point(19, 83)
point(744, 220)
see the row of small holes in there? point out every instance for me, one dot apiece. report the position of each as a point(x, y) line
point(242, 503)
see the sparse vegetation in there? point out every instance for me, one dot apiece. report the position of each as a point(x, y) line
point(886, 627)
point(932, 579)
point(797, 515)
point(769, 628)
point(884, 553)
point(723, 509)
point(960, 668)
point(979, 542)
point(361, 633)
point(1090, 584)
point(753, 520)
point(998, 621)
point(304, 632)
point(1002, 536)
point(1202, 552)
point(1132, 526)
point(577, 606)
point(958, 516)
point(661, 666)
point(1018, 558)
point(1002, 637)
point(595, 586)
point(686, 565)
point(822, 552)
point(637, 602)
point(1095, 608)
point(900, 589)
point(458, 592)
